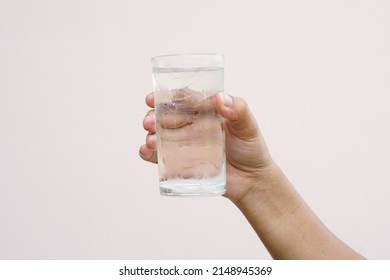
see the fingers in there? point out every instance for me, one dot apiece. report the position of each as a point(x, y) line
point(149, 122)
point(151, 141)
point(148, 154)
point(149, 100)
point(148, 150)
point(225, 106)
point(239, 118)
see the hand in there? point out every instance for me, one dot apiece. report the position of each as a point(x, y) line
point(247, 156)
point(282, 220)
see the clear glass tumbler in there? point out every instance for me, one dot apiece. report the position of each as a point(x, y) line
point(190, 132)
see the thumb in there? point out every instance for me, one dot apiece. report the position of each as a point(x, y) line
point(240, 121)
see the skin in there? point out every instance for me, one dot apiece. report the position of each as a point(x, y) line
point(257, 186)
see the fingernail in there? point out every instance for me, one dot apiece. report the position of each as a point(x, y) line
point(227, 100)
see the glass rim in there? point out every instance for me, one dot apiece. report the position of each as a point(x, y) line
point(186, 54)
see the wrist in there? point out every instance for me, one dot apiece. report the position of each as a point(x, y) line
point(270, 196)
point(259, 184)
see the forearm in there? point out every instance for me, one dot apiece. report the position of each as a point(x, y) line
point(286, 225)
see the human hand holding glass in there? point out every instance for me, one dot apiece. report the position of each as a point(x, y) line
point(283, 221)
point(247, 157)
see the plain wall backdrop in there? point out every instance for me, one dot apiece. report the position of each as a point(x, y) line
point(73, 78)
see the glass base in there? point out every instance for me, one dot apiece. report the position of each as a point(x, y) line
point(191, 188)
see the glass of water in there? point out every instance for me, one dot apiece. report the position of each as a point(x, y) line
point(190, 132)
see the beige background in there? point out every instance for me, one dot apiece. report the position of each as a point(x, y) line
point(73, 76)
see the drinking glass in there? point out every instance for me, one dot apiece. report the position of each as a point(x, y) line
point(190, 131)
